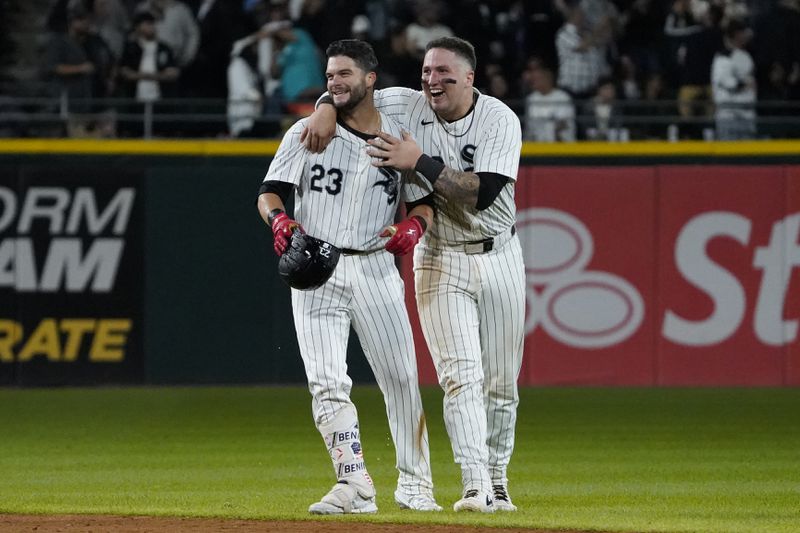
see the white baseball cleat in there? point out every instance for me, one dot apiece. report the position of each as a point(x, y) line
point(417, 502)
point(344, 499)
point(502, 501)
point(475, 501)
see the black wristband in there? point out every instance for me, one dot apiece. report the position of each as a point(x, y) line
point(422, 222)
point(327, 99)
point(429, 167)
point(272, 214)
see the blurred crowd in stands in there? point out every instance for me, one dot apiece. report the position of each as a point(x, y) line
point(622, 63)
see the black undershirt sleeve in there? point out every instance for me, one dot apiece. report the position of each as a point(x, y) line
point(490, 187)
point(427, 200)
point(281, 188)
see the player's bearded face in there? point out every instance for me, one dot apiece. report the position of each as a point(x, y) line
point(447, 83)
point(347, 84)
point(353, 94)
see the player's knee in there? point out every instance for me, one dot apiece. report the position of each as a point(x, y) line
point(455, 385)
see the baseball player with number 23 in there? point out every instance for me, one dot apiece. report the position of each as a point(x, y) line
point(342, 199)
point(468, 269)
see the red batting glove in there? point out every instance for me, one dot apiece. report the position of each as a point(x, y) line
point(282, 228)
point(405, 235)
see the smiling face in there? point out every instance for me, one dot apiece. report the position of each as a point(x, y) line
point(347, 83)
point(447, 82)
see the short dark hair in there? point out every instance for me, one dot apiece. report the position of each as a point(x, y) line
point(143, 16)
point(459, 47)
point(359, 51)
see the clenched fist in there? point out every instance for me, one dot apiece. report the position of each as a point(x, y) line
point(404, 235)
point(282, 227)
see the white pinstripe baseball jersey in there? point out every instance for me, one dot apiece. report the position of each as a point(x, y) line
point(488, 139)
point(340, 197)
point(471, 305)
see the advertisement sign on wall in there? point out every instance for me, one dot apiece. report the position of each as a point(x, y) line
point(659, 275)
point(71, 269)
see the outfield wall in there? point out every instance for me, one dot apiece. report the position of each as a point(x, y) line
point(647, 264)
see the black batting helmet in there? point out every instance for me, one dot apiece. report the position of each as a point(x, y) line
point(308, 263)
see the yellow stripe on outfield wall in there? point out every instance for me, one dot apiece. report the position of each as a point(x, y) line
point(138, 147)
point(268, 147)
point(662, 148)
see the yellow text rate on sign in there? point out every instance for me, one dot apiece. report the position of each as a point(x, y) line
point(60, 340)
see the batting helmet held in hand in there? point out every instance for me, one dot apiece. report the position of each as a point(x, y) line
point(308, 263)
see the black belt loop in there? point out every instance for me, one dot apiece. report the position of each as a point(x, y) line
point(488, 244)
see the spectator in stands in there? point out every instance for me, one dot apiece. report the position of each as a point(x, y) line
point(627, 78)
point(692, 44)
point(176, 27)
point(643, 31)
point(221, 22)
point(647, 118)
point(249, 89)
point(425, 27)
point(82, 68)
point(507, 39)
point(401, 68)
point(359, 28)
point(678, 26)
point(148, 66)
point(245, 96)
point(496, 82)
point(581, 57)
point(734, 86)
point(776, 52)
point(543, 22)
point(604, 111)
point(325, 20)
point(603, 22)
point(299, 66)
point(549, 113)
point(149, 72)
point(111, 22)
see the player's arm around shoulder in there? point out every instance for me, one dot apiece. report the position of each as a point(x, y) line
point(393, 97)
point(320, 126)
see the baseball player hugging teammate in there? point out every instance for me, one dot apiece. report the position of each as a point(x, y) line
point(342, 199)
point(468, 269)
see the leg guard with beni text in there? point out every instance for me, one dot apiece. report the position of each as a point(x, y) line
point(354, 491)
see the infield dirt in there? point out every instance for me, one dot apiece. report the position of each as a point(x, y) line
point(142, 524)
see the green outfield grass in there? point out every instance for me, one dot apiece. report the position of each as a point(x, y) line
point(594, 459)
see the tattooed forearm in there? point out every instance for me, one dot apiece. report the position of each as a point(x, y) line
point(461, 187)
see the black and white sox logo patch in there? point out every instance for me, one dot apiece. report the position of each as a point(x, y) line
point(468, 155)
point(389, 184)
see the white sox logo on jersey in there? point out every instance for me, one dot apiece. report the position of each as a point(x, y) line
point(389, 184)
point(468, 155)
point(581, 308)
